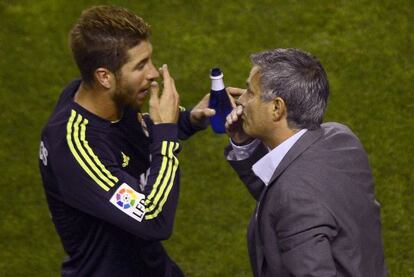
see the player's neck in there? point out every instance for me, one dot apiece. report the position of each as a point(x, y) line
point(98, 102)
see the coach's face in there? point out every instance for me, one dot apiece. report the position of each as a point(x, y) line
point(135, 77)
point(256, 112)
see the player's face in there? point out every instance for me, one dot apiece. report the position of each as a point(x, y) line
point(256, 112)
point(135, 76)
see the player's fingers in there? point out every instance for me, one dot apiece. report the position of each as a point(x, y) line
point(165, 73)
point(204, 113)
point(154, 89)
point(176, 95)
point(174, 89)
point(201, 114)
point(209, 112)
point(154, 102)
point(169, 85)
point(206, 97)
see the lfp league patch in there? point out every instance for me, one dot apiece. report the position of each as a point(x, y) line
point(129, 201)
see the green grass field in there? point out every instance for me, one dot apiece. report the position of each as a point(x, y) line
point(366, 48)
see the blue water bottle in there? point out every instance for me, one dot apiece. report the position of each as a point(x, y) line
point(219, 101)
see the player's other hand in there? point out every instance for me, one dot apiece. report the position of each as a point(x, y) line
point(164, 108)
point(201, 112)
point(234, 121)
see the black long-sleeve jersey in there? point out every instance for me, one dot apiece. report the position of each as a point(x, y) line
point(112, 188)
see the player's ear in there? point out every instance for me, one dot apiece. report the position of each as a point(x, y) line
point(104, 77)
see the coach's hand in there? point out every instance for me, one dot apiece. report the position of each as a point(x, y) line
point(234, 122)
point(164, 108)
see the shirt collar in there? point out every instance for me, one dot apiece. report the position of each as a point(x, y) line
point(266, 166)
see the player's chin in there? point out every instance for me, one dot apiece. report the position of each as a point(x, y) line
point(138, 100)
point(141, 97)
point(135, 103)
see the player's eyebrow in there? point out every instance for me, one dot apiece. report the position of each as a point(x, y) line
point(143, 61)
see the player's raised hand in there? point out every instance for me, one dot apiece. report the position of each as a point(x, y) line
point(164, 108)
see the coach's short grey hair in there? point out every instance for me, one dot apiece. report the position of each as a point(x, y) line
point(299, 79)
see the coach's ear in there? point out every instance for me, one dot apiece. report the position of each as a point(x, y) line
point(279, 109)
point(104, 77)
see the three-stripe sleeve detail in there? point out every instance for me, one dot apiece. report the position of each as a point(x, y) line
point(90, 163)
point(83, 153)
point(164, 182)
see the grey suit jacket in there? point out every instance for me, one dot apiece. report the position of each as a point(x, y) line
point(318, 216)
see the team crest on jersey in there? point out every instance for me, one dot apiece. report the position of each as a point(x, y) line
point(129, 201)
point(125, 160)
point(43, 153)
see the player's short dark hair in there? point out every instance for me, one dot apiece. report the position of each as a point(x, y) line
point(102, 36)
point(299, 79)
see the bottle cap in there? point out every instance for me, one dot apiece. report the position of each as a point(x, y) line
point(216, 73)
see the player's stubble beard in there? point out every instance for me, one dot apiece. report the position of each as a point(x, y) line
point(124, 96)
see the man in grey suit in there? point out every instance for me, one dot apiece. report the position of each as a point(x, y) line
point(316, 212)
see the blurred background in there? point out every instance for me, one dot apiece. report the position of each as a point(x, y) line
point(366, 48)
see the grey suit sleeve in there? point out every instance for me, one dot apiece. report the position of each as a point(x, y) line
point(244, 169)
point(305, 229)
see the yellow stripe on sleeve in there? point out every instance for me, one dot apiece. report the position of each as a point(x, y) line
point(167, 176)
point(171, 183)
point(95, 158)
point(69, 131)
point(85, 156)
point(160, 174)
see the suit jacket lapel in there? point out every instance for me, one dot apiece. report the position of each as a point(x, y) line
point(298, 148)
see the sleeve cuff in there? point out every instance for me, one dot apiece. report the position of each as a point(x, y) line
point(164, 131)
point(186, 114)
point(246, 164)
point(241, 152)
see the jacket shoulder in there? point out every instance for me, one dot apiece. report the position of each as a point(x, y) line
point(337, 135)
point(335, 127)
